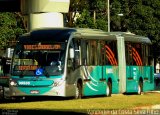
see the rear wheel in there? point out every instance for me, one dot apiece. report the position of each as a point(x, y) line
point(140, 88)
point(109, 89)
point(78, 94)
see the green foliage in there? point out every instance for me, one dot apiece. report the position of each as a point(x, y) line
point(75, 6)
point(144, 20)
point(139, 17)
point(115, 9)
point(98, 5)
point(10, 27)
point(85, 21)
point(101, 24)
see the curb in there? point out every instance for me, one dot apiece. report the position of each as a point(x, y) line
point(156, 91)
point(149, 107)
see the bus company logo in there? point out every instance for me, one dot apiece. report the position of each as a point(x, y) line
point(24, 83)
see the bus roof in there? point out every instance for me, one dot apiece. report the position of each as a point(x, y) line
point(95, 33)
point(84, 33)
point(48, 34)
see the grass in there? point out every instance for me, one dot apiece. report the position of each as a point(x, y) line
point(115, 102)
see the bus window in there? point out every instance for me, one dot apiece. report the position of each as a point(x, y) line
point(83, 52)
point(75, 62)
point(133, 54)
point(137, 50)
point(150, 56)
point(29, 56)
point(103, 52)
point(99, 53)
point(92, 50)
point(145, 54)
point(111, 53)
point(128, 52)
point(76, 43)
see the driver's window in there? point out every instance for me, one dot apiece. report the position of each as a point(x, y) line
point(76, 43)
point(75, 62)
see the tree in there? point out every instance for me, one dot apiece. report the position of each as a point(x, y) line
point(92, 14)
point(144, 20)
point(76, 6)
point(139, 16)
point(85, 20)
point(11, 27)
point(115, 9)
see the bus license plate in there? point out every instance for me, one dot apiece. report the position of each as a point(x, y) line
point(34, 92)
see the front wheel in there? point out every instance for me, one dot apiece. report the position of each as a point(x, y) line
point(109, 89)
point(78, 94)
point(1, 93)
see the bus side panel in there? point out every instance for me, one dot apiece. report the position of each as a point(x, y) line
point(132, 76)
point(112, 72)
point(148, 83)
point(94, 85)
point(72, 79)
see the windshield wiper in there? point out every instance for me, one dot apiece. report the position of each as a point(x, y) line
point(22, 73)
point(45, 72)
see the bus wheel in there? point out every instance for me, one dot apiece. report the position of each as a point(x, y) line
point(1, 93)
point(109, 89)
point(78, 94)
point(140, 86)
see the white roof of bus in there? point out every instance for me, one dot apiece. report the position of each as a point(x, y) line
point(96, 33)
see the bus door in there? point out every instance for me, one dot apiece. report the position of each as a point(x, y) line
point(94, 84)
point(73, 65)
point(148, 68)
point(134, 67)
point(110, 63)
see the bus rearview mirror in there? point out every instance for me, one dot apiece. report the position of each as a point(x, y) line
point(71, 53)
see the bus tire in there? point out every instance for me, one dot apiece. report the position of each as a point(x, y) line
point(78, 94)
point(2, 93)
point(109, 89)
point(140, 88)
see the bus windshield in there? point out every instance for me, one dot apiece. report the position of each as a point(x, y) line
point(38, 59)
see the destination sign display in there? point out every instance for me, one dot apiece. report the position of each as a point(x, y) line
point(26, 67)
point(42, 47)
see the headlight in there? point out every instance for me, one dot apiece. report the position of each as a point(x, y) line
point(13, 83)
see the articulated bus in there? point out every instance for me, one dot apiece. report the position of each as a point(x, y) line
point(77, 62)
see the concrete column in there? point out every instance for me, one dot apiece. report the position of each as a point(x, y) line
point(121, 63)
point(45, 20)
point(44, 13)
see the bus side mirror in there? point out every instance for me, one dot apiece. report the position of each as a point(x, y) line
point(71, 53)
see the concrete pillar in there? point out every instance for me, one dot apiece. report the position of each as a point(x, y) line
point(45, 20)
point(121, 63)
point(44, 13)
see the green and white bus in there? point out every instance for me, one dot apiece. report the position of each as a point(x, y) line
point(80, 62)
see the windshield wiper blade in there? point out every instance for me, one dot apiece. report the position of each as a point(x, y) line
point(46, 73)
point(22, 73)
